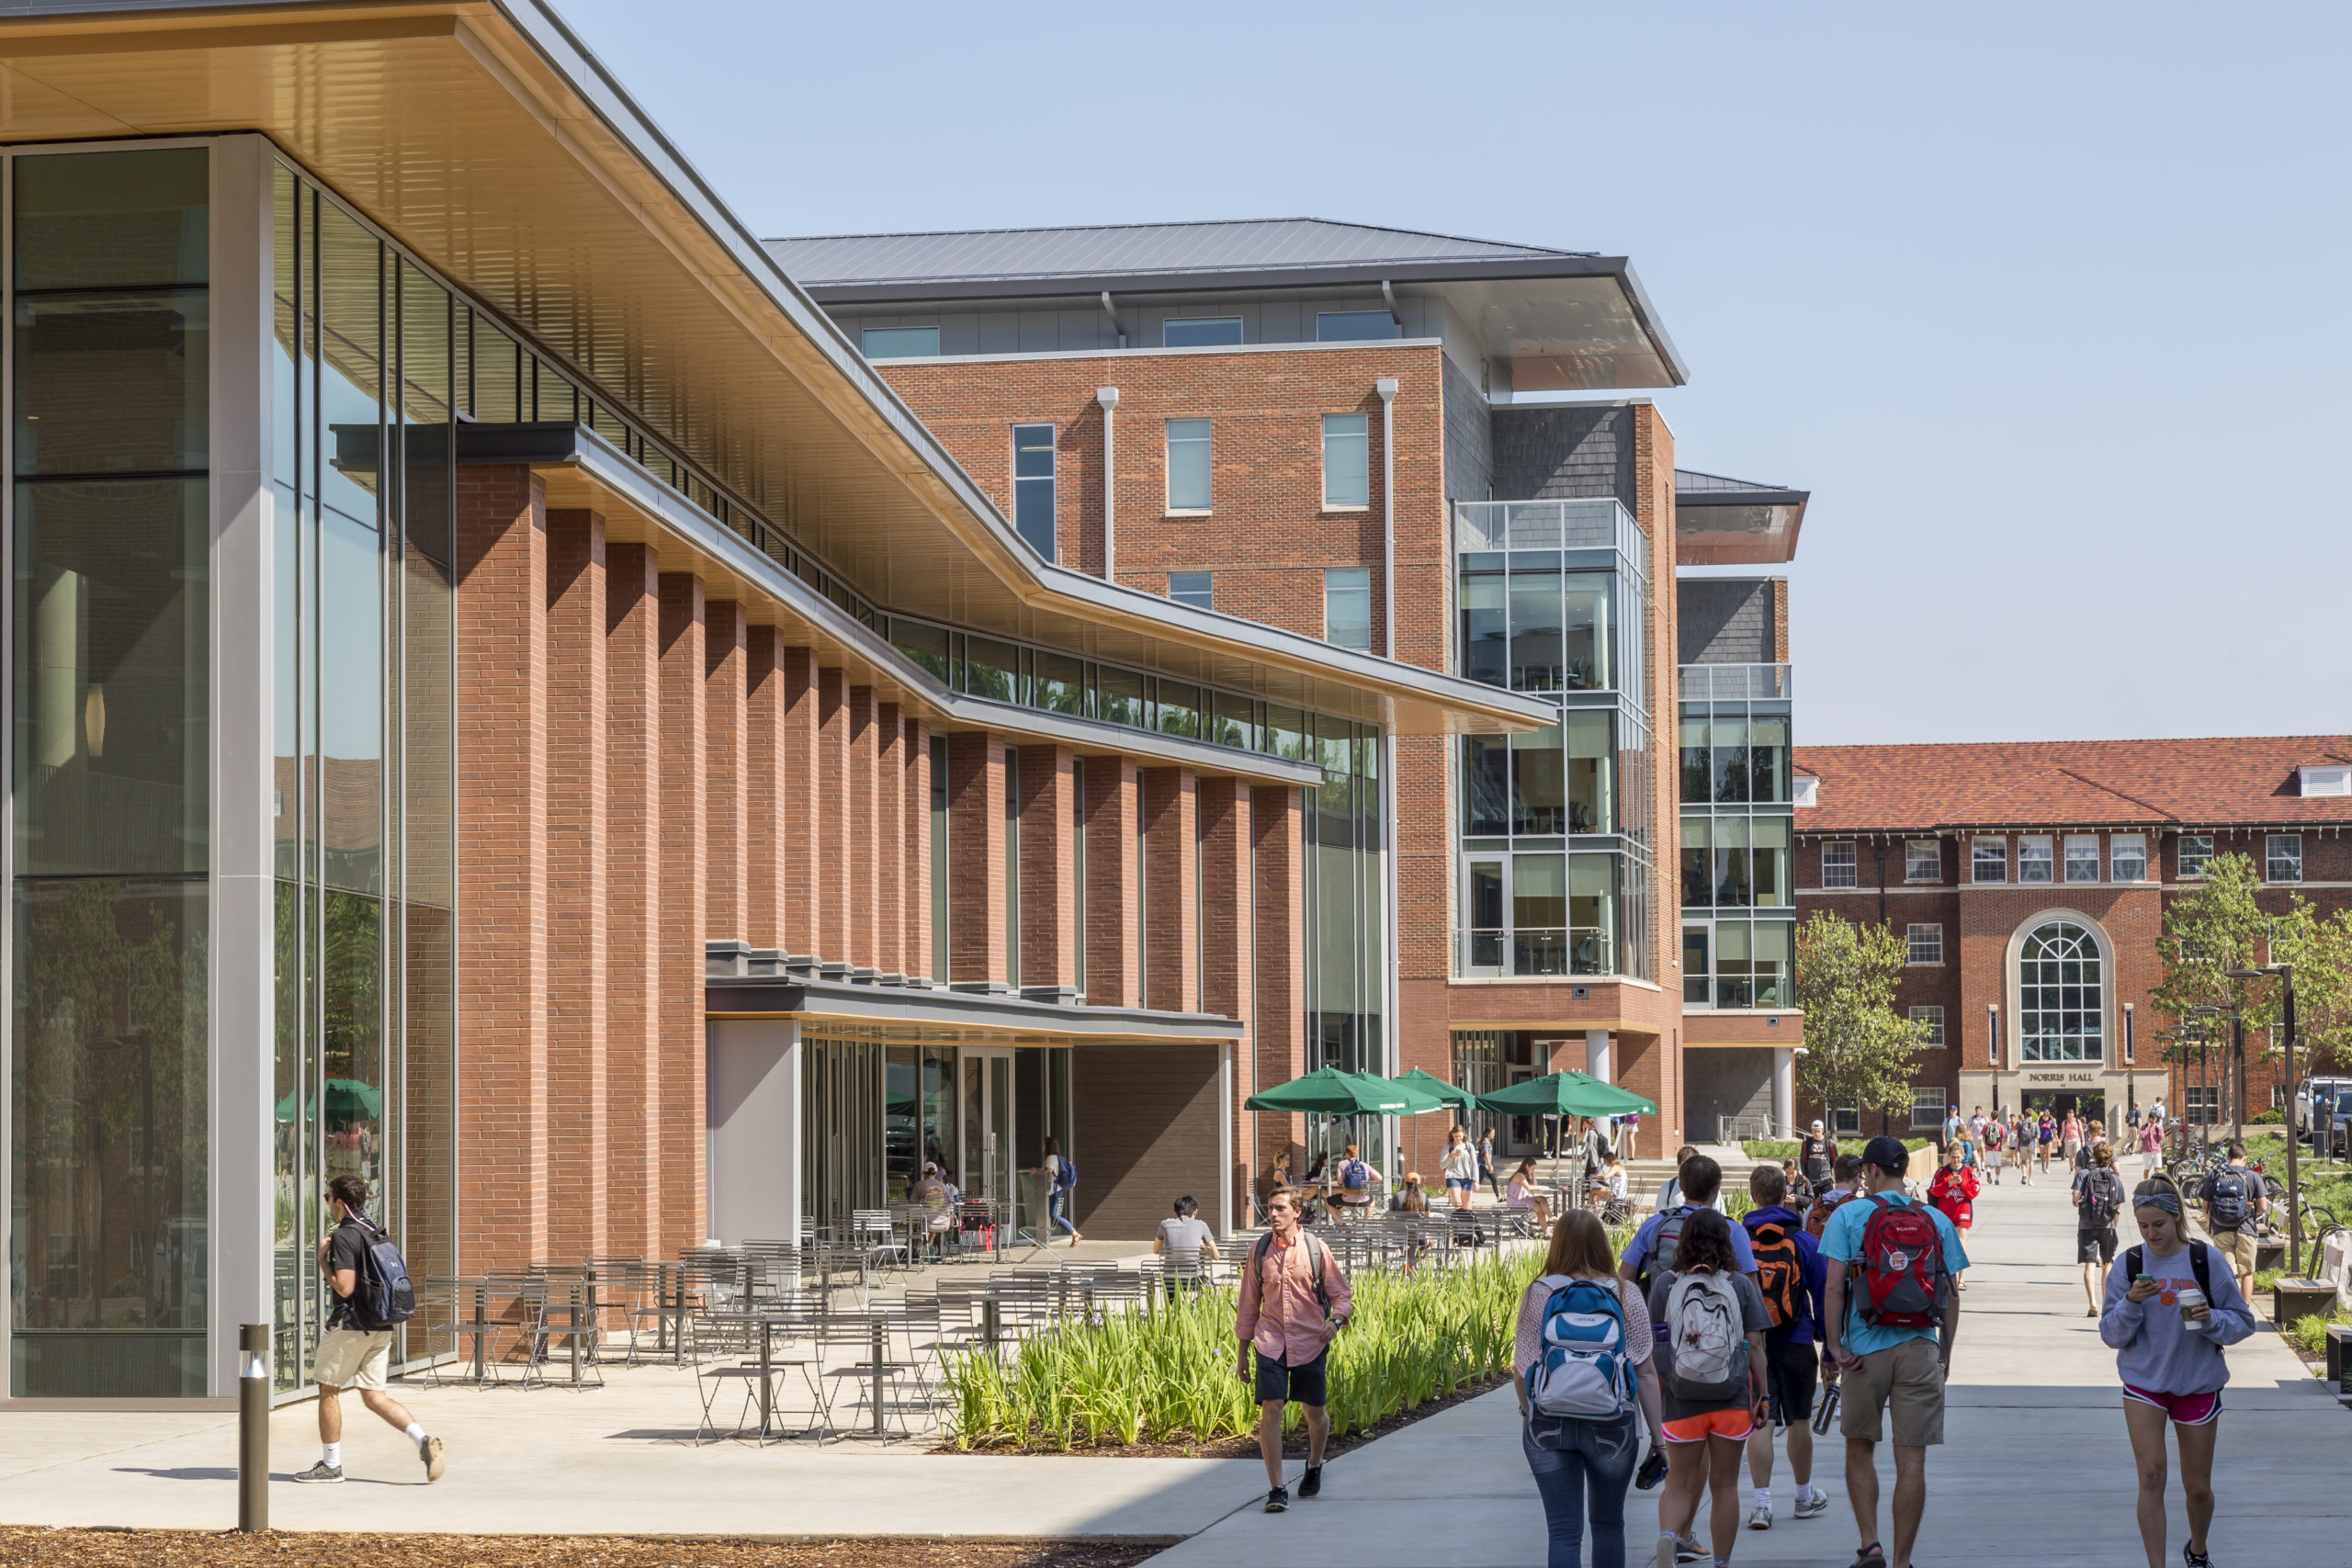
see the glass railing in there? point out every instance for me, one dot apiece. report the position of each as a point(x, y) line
point(1594, 523)
point(1532, 954)
point(1735, 682)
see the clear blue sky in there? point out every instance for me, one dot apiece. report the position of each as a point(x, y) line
point(2045, 304)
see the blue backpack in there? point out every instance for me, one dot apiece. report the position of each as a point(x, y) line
point(381, 1296)
point(1065, 1173)
point(1581, 1368)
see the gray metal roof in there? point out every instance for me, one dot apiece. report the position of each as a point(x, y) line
point(1689, 481)
point(1112, 251)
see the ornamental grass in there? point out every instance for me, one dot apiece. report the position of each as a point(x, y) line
point(1166, 1373)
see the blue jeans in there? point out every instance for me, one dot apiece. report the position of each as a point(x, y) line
point(1054, 1210)
point(1582, 1466)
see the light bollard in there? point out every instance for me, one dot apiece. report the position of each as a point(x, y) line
point(252, 1426)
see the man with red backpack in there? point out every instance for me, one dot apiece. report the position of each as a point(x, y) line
point(1888, 1315)
point(1789, 1273)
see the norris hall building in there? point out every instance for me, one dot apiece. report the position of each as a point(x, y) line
point(505, 701)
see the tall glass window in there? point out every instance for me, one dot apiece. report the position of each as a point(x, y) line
point(1188, 465)
point(1347, 608)
point(1347, 462)
point(2061, 995)
point(1032, 486)
point(112, 439)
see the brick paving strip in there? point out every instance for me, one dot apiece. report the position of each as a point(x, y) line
point(194, 1548)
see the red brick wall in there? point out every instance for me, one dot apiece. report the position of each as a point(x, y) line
point(800, 758)
point(919, 852)
point(683, 871)
point(633, 903)
point(764, 764)
point(1171, 890)
point(1114, 942)
point(976, 892)
point(859, 847)
point(1279, 916)
point(1048, 868)
point(1228, 946)
point(891, 884)
point(829, 847)
point(577, 832)
point(725, 695)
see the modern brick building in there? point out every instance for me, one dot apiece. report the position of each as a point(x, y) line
point(506, 703)
point(2029, 880)
point(1326, 428)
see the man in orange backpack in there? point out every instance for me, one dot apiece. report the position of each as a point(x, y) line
point(1888, 1315)
point(1791, 1275)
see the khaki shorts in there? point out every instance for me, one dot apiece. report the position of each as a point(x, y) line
point(2238, 1247)
point(349, 1357)
point(1907, 1376)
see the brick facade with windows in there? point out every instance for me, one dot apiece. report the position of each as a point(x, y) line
point(1976, 803)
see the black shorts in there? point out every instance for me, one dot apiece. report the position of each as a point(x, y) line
point(1300, 1385)
point(1791, 1371)
point(2094, 1246)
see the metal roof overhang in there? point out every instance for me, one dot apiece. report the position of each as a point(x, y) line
point(486, 139)
point(1741, 527)
point(908, 1014)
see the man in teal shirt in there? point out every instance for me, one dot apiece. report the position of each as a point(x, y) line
point(1883, 1368)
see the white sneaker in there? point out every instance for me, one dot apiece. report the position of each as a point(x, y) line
point(1813, 1507)
point(1760, 1518)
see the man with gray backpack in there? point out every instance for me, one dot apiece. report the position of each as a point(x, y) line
point(2235, 1197)
point(372, 1298)
point(1582, 1362)
point(1293, 1301)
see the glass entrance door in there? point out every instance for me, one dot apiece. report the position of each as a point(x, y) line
point(986, 1161)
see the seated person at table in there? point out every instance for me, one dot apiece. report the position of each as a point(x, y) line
point(1520, 1193)
point(1409, 1198)
point(937, 1200)
point(1184, 1236)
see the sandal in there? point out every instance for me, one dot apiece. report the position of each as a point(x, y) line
point(1869, 1557)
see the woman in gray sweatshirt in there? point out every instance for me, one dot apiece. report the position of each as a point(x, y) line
point(2171, 1305)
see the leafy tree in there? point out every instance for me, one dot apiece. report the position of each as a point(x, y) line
point(2321, 952)
point(1858, 1051)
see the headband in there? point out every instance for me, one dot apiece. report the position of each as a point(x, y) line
point(2164, 1201)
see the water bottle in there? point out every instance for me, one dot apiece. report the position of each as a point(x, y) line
point(1824, 1409)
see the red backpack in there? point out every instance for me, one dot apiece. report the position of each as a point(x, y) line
point(1902, 1265)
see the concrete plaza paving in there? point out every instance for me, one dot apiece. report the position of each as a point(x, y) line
point(2035, 1455)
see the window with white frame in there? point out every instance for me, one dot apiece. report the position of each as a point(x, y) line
point(2062, 995)
point(1846, 1121)
point(1925, 943)
point(1032, 486)
point(1188, 465)
point(1923, 861)
point(2082, 857)
point(1200, 331)
point(1933, 1018)
point(2196, 853)
point(1347, 460)
point(1347, 606)
point(2033, 858)
point(1197, 589)
point(2127, 857)
point(2282, 857)
point(1927, 1106)
point(1989, 861)
point(1808, 790)
point(1837, 865)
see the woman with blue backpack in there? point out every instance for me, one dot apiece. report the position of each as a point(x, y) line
point(1061, 1185)
point(1581, 1363)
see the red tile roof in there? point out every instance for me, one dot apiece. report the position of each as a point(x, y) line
point(2226, 782)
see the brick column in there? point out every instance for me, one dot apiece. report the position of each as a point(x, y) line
point(578, 812)
point(683, 875)
point(829, 848)
point(890, 839)
point(976, 951)
point(501, 654)
point(1279, 914)
point(1227, 947)
point(1171, 890)
point(796, 828)
point(724, 699)
point(1113, 940)
point(918, 829)
point(864, 757)
point(633, 896)
point(764, 788)
point(1048, 861)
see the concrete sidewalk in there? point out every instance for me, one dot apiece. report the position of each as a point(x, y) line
point(2035, 1453)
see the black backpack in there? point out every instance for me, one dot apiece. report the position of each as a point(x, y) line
point(2226, 1194)
point(1665, 1242)
point(381, 1297)
point(2135, 1264)
point(2102, 1198)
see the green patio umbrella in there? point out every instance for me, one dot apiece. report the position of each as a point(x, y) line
point(1329, 1092)
point(1429, 1083)
point(348, 1100)
point(1566, 1094)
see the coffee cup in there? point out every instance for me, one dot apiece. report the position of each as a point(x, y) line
point(2191, 1302)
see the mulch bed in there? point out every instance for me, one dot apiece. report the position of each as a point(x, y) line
point(1245, 1447)
point(278, 1548)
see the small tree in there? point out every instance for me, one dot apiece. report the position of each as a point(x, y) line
point(1858, 1051)
point(2321, 952)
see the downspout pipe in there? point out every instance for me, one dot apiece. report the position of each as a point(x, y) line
point(1109, 397)
point(1392, 968)
point(1387, 386)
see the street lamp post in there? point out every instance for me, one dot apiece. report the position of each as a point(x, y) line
point(2286, 973)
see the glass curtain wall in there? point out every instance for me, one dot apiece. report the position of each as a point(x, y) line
point(1738, 905)
point(1345, 898)
point(111, 765)
point(364, 371)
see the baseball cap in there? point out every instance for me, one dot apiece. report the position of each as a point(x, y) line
point(1887, 1154)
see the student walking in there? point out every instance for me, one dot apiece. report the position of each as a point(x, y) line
point(1583, 1367)
point(354, 1353)
point(1789, 1276)
point(2045, 1133)
point(1061, 1189)
point(1713, 1378)
point(2169, 1311)
point(1655, 1245)
point(1953, 1192)
point(1298, 1301)
point(2233, 1198)
point(1486, 1164)
point(1889, 1318)
point(1850, 1169)
point(2151, 1144)
point(1996, 1136)
point(1817, 1156)
point(2098, 1198)
point(1459, 1167)
point(2070, 1137)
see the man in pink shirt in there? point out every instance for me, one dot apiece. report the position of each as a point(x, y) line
point(1294, 1299)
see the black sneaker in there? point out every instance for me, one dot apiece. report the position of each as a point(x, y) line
point(1276, 1500)
point(1311, 1483)
point(2194, 1558)
point(321, 1475)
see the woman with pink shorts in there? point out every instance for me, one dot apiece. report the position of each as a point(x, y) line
point(2171, 1305)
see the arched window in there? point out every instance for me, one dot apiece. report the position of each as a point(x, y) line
point(2059, 995)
